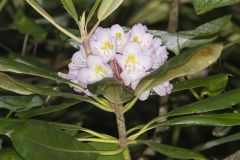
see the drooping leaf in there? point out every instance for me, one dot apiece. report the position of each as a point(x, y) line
point(107, 147)
point(112, 90)
point(47, 110)
point(220, 80)
point(9, 154)
point(26, 88)
point(203, 34)
point(186, 63)
point(202, 6)
point(174, 152)
point(218, 102)
point(69, 6)
point(26, 25)
point(38, 140)
point(220, 141)
point(8, 65)
point(20, 103)
point(226, 119)
point(107, 7)
point(41, 11)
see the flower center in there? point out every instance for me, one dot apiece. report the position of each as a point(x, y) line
point(136, 39)
point(131, 59)
point(100, 70)
point(118, 35)
point(107, 45)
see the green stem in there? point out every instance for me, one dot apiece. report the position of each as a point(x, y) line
point(122, 131)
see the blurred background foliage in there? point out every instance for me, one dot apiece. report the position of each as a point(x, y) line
point(25, 36)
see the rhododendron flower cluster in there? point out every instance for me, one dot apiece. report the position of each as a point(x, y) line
point(125, 56)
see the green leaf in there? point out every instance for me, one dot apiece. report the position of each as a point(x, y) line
point(226, 119)
point(218, 102)
point(202, 6)
point(26, 88)
point(174, 152)
point(41, 11)
point(7, 125)
point(9, 154)
point(220, 80)
point(112, 90)
point(91, 13)
point(203, 34)
point(186, 63)
point(149, 13)
point(107, 147)
point(10, 84)
point(20, 103)
point(26, 25)
point(8, 65)
point(46, 110)
point(69, 6)
point(220, 141)
point(38, 140)
point(107, 7)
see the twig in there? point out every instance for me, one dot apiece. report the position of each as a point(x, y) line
point(24, 47)
point(173, 16)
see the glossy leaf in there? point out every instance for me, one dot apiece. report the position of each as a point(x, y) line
point(218, 102)
point(69, 6)
point(220, 80)
point(9, 154)
point(220, 141)
point(26, 25)
point(26, 88)
point(8, 65)
point(203, 34)
point(174, 152)
point(41, 11)
point(112, 90)
point(38, 140)
point(46, 110)
point(226, 119)
point(20, 103)
point(107, 7)
point(202, 6)
point(186, 63)
point(107, 147)
point(91, 13)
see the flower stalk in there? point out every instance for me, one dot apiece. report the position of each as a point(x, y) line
point(122, 130)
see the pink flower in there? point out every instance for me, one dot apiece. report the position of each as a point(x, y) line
point(103, 44)
point(95, 71)
point(140, 36)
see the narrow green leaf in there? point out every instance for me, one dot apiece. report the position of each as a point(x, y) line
point(91, 13)
point(8, 65)
point(41, 11)
point(69, 6)
point(7, 124)
point(107, 7)
point(38, 140)
point(218, 102)
point(107, 147)
point(9, 154)
point(112, 90)
point(20, 103)
point(203, 34)
point(220, 80)
point(226, 119)
point(202, 6)
point(186, 63)
point(26, 88)
point(220, 141)
point(174, 152)
point(46, 110)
